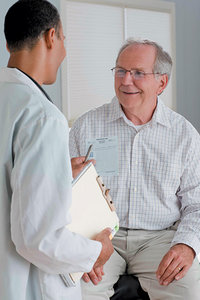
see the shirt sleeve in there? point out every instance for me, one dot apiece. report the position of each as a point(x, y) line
point(74, 140)
point(41, 185)
point(189, 195)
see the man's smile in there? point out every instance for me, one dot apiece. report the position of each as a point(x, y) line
point(130, 93)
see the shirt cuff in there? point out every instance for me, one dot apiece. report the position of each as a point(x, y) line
point(187, 239)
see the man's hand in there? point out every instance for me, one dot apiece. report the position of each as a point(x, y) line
point(175, 264)
point(78, 163)
point(107, 249)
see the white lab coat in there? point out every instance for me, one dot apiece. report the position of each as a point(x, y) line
point(35, 196)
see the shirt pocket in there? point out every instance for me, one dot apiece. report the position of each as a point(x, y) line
point(162, 176)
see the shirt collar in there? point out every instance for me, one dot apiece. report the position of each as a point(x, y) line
point(116, 111)
point(160, 114)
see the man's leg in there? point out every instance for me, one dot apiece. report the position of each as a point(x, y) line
point(114, 267)
point(184, 289)
point(153, 246)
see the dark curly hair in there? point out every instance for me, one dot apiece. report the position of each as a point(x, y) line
point(27, 20)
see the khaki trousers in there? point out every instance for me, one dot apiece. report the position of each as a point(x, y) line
point(139, 252)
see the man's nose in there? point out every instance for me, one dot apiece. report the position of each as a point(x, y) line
point(127, 79)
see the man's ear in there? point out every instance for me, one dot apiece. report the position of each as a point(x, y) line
point(50, 38)
point(7, 47)
point(163, 83)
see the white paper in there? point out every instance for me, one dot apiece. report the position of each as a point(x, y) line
point(105, 152)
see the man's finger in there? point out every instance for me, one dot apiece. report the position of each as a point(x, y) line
point(173, 272)
point(182, 273)
point(165, 262)
point(177, 275)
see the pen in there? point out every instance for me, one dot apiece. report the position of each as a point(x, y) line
point(88, 153)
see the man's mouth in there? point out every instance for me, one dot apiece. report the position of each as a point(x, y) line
point(130, 93)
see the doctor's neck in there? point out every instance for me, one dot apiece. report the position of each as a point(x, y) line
point(31, 62)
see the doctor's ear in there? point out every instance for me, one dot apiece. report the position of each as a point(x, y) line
point(7, 47)
point(50, 37)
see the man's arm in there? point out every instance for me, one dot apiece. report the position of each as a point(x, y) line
point(186, 241)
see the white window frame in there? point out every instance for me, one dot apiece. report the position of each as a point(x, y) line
point(155, 5)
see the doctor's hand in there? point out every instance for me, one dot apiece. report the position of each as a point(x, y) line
point(107, 249)
point(95, 275)
point(175, 264)
point(78, 164)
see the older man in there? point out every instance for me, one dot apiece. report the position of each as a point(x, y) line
point(157, 188)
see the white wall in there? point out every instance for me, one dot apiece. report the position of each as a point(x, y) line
point(188, 59)
point(187, 55)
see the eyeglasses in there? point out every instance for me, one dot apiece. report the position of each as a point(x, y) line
point(136, 74)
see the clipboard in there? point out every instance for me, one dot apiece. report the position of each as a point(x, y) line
point(92, 209)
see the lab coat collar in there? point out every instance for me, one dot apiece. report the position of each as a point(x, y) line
point(14, 75)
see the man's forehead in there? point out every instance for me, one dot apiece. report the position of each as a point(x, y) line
point(141, 54)
point(137, 49)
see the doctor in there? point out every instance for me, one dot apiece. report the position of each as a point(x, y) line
point(35, 170)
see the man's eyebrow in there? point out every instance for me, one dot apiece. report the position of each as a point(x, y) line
point(137, 69)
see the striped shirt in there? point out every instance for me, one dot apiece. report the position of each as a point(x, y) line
point(159, 168)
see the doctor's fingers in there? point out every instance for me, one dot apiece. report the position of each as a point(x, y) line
point(92, 276)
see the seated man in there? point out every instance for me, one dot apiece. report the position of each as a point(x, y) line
point(157, 189)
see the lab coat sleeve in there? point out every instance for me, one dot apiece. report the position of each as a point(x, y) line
point(41, 185)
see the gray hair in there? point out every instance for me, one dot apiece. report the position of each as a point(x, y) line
point(163, 61)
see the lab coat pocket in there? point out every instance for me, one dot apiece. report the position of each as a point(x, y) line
point(53, 288)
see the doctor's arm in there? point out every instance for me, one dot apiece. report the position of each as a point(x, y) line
point(41, 183)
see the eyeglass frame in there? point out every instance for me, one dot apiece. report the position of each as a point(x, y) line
point(132, 74)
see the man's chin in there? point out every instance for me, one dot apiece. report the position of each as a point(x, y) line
point(128, 102)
